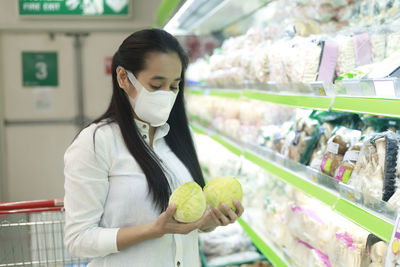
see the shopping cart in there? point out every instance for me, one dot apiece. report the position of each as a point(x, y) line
point(32, 234)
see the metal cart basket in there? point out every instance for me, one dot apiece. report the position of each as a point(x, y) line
point(32, 234)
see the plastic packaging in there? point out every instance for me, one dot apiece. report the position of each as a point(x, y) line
point(338, 144)
point(350, 159)
point(375, 171)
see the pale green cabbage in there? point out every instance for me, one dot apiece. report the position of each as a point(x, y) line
point(223, 190)
point(190, 202)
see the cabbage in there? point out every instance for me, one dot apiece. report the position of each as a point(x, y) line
point(190, 202)
point(223, 190)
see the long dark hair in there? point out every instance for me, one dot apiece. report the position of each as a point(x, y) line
point(131, 55)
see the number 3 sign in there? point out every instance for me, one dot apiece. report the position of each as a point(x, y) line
point(39, 69)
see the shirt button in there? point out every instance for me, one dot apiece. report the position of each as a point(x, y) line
point(145, 136)
point(144, 126)
point(178, 263)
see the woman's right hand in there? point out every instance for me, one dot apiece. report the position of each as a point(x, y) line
point(166, 224)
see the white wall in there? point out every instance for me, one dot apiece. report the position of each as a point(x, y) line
point(20, 104)
point(32, 158)
point(98, 85)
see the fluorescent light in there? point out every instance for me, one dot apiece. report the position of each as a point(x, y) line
point(191, 14)
point(173, 25)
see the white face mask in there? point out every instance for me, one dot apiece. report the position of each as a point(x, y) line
point(151, 107)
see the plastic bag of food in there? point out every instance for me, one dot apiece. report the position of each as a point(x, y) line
point(350, 159)
point(297, 140)
point(311, 224)
point(337, 147)
point(375, 172)
point(347, 247)
point(318, 153)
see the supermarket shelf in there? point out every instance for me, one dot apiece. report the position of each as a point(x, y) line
point(365, 219)
point(367, 105)
point(226, 93)
point(318, 186)
point(300, 101)
point(308, 187)
point(264, 246)
point(388, 107)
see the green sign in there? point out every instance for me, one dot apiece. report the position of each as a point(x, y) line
point(74, 7)
point(39, 69)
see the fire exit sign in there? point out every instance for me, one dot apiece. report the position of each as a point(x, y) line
point(74, 7)
point(39, 69)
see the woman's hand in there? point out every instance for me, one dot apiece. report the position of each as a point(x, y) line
point(217, 218)
point(166, 224)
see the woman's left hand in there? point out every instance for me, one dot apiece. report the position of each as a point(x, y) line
point(217, 218)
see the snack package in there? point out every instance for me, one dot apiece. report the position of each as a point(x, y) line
point(311, 224)
point(297, 139)
point(338, 144)
point(378, 253)
point(325, 133)
point(375, 172)
point(347, 247)
point(303, 254)
point(346, 168)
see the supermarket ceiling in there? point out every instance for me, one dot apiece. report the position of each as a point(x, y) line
point(208, 16)
point(18, 15)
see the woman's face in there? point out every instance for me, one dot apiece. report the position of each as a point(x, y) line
point(162, 72)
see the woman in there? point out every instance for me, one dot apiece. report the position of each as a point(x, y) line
point(122, 168)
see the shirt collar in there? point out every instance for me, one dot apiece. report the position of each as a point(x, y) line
point(144, 128)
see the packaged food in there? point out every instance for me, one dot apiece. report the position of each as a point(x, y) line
point(333, 155)
point(346, 168)
point(375, 171)
point(338, 144)
point(318, 153)
point(298, 138)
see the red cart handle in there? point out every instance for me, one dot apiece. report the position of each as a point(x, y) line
point(6, 212)
point(31, 206)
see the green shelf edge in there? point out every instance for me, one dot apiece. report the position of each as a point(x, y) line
point(309, 102)
point(234, 94)
point(235, 150)
point(262, 246)
point(305, 186)
point(371, 223)
point(367, 105)
point(197, 129)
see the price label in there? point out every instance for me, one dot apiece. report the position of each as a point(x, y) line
point(384, 88)
point(353, 88)
point(318, 88)
point(393, 251)
point(272, 86)
point(350, 196)
point(314, 178)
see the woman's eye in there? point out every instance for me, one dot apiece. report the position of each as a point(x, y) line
point(155, 87)
point(173, 88)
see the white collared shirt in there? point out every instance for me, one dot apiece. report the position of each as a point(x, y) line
point(105, 189)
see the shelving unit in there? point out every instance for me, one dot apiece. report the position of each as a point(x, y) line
point(307, 180)
point(300, 101)
point(388, 107)
point(367, 105)
point(341, 200)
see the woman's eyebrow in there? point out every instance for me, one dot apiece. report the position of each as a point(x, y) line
point(163, 78)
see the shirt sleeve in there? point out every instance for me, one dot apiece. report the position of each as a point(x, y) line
point(86, 187)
